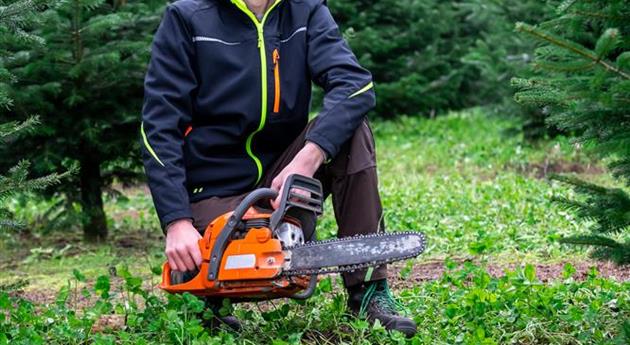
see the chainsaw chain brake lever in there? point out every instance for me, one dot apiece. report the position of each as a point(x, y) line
point(299, 193)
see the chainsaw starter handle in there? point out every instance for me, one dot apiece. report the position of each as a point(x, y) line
point(216, 255)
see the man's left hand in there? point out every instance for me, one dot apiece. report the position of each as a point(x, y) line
point(305, 163)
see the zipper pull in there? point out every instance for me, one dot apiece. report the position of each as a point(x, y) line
point(276, 56)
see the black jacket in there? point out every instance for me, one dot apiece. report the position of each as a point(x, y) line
point(213, 119)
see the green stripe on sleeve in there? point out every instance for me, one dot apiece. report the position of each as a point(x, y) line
point(365, 88)
point(146, 144)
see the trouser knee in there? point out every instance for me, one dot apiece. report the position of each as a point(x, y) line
point(357, 154)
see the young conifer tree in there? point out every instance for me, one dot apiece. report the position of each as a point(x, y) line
point(14, 17)
point(583, 83)
point(86, 83)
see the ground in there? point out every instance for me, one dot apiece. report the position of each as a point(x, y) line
point(494, 270)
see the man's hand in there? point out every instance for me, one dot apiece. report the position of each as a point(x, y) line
point(182, 247)
point(305, 163)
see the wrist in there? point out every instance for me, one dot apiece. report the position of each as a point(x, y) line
point(178, 223)
point(315, 154)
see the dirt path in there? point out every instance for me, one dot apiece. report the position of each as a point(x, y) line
point(423, 272)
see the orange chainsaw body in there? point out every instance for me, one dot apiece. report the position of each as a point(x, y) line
point(242, 251)
point(257, 278)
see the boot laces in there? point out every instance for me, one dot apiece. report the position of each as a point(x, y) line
point(380, 297)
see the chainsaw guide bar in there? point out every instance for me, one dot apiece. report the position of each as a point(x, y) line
point(353, 253)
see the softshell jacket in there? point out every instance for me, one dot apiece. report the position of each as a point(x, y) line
point(226, 93)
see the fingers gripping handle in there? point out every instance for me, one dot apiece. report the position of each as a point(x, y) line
point(293, 196)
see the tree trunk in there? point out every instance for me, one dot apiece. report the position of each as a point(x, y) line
point(94, 221)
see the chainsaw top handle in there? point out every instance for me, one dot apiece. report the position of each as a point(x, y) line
point(300, 194)
point(291, 199)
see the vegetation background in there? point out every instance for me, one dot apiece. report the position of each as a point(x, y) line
point(502, 132)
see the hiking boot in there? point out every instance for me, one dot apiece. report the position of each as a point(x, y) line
point(374, 301)
point(216, 321)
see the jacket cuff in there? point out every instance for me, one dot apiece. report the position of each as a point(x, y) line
point(329, 148)
point(173, 216)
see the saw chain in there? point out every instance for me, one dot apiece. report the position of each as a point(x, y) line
point(340, 267)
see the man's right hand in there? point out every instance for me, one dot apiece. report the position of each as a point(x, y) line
point(182, 246)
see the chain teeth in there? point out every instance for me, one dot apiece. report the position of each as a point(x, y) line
point(352, 268)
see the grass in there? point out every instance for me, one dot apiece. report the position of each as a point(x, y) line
point(470, 182)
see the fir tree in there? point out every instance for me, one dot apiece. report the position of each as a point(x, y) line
point(412, 49)
point(432, 56)
point(86, 83)
point(14, 18)
point(583, 83)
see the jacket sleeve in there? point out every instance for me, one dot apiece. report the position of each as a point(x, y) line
point(349, 92)
point(166, 113)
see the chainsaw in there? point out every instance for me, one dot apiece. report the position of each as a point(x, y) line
point(253, 253)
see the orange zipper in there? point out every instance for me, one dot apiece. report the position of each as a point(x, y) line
point(276, 76)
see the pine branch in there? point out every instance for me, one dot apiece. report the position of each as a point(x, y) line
point(605, 248)
point(570, 46)
point(579, 185)
point(591, 240)
point(564, 66)
point(621, 169)
point(13, 128)
point(609, 208)
point(17, 180)
point(619, 254)
point(586, 94)
point(565, 5)
point(596, 15)
point(12, 13)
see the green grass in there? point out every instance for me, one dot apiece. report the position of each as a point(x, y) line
point(469, 181)
point(466, 181)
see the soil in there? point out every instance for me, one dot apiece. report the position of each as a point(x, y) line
point(423, 272)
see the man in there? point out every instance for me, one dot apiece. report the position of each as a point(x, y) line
point(227, 98)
